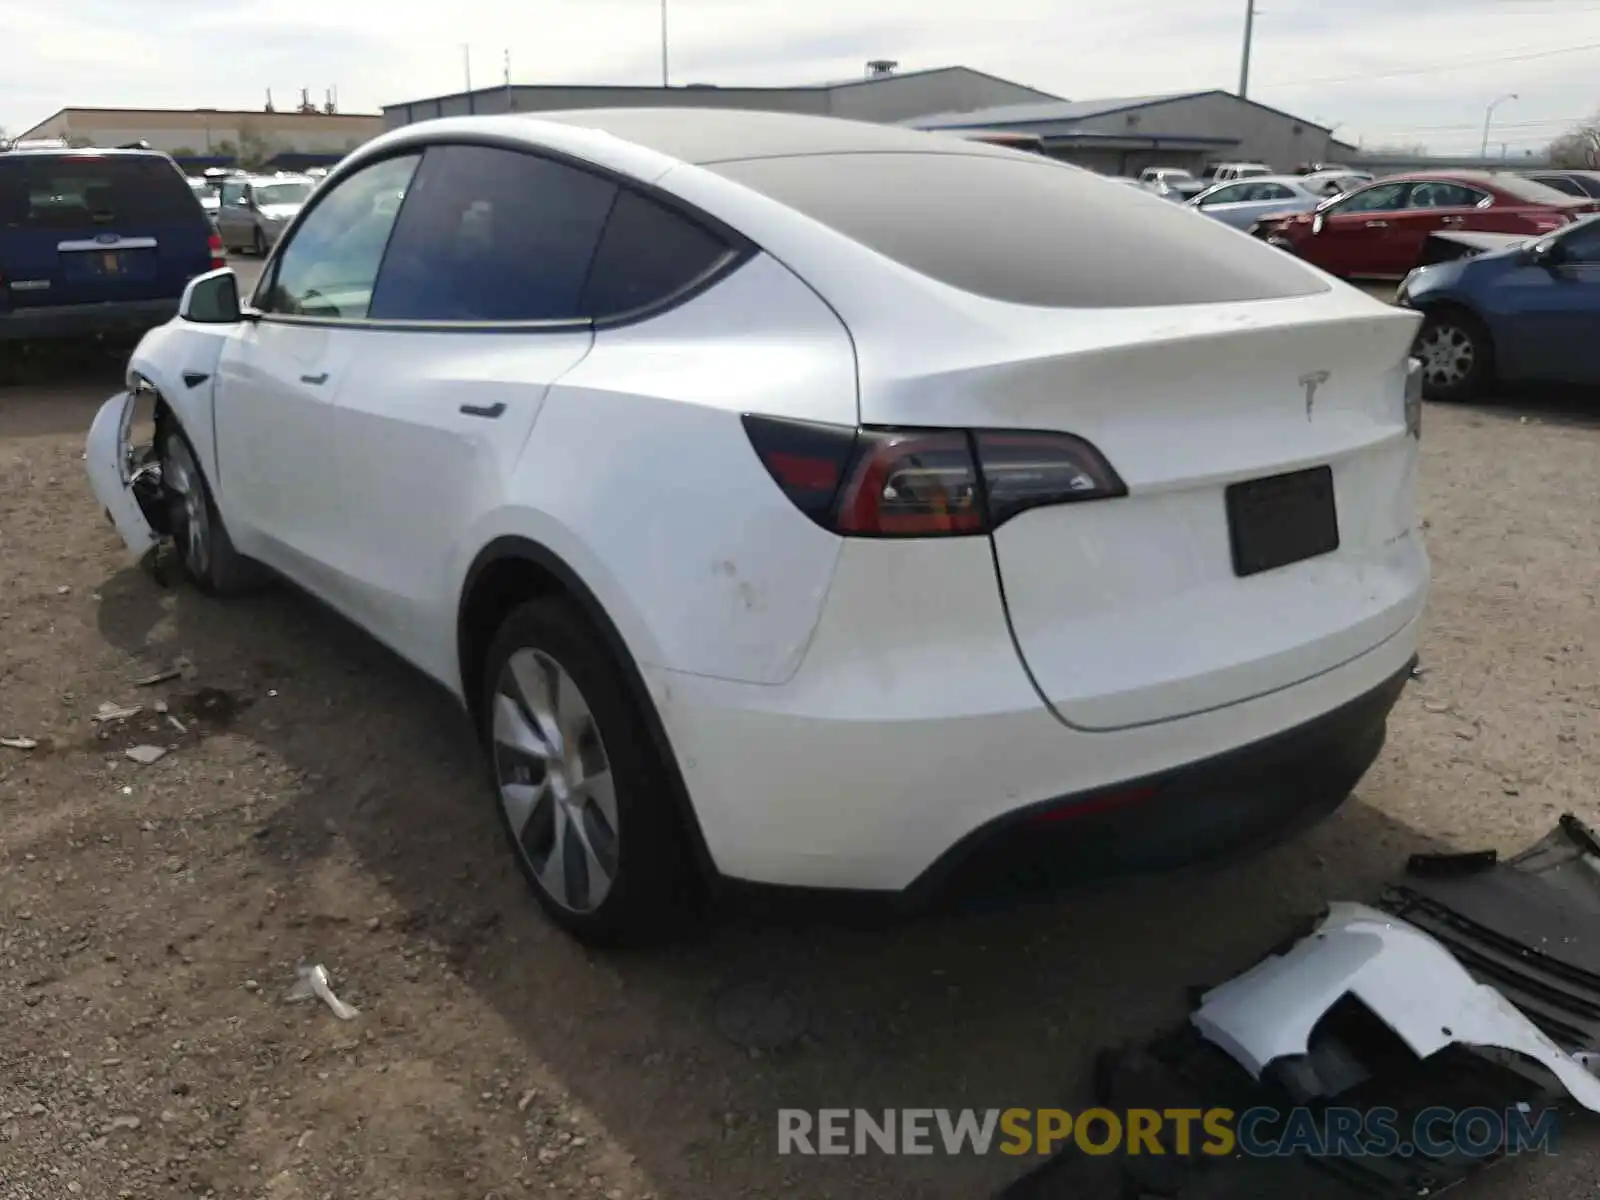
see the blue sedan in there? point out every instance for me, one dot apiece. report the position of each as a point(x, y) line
point(1527, 312)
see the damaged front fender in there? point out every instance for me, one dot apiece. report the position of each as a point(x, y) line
point(1401, 974)
point(126, 482)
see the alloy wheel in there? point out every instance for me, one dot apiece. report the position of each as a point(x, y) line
point(1448, 353)
point(181, 479)
point(555, 781)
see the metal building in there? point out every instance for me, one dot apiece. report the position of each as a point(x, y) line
point(883, 96)
point(1185, 129)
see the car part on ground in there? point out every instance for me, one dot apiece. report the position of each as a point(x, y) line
point(860, 584)
point(1372, 1011)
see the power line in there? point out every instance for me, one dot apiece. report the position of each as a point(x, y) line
point(1436, 68)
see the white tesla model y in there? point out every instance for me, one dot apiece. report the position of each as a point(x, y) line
point(803, 501)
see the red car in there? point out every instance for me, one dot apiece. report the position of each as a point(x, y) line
point(1378, 231)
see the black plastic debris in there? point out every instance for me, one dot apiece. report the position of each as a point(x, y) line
point(1528, 926)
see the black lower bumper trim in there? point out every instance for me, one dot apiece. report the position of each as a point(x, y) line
point(1205, 811)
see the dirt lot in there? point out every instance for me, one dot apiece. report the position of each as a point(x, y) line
point(321, 803)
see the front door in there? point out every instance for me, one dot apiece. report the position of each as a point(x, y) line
point(1356, 232)
point(279, 463)
point(486, 270)
point(1554, 311)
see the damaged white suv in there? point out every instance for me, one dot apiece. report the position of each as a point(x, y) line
point(807, 502)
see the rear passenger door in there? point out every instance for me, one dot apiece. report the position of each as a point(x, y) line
point(1432, 206)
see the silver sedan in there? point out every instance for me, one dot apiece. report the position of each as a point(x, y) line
point(1243, 202)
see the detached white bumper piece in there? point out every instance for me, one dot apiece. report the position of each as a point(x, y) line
point(1401, 974)
point(111, 474)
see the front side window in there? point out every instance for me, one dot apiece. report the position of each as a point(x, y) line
point(1582, 245)
point(493, 235)
point(1385, 197)
point(329, 267)
point(232, 193)
point(1223, 195)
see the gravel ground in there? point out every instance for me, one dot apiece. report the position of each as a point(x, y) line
point(321, 803)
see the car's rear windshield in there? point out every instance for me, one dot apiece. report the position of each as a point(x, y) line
point(78, 191)
point(1531, 191)
point(282, 193)
point(1026, 230)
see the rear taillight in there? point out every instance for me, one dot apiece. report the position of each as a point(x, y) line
point(925, 482)
point(218, 257)
point(1549, 222)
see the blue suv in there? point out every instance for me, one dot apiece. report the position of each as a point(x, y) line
point(96, 243)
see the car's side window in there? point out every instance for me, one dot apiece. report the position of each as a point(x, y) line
point(1445, 195)
point(1226, 195)
point(231, 193)
point(647, 253)
point(1582, 245)
point(1561, 183)
point(1383, 198)
point(329, 267)
point(493, 235)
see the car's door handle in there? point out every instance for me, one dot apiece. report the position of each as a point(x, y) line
point(1455, 220)
point(484, 410)
point(1377, 224)
point(315, 379)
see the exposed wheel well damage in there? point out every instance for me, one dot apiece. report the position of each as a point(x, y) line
point(512, 571)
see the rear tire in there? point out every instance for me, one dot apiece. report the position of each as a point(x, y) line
point(204, 548)
point(582, 793)
point(1457, 355)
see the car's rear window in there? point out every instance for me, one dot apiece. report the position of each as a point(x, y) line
point(79, 191)
point(1026, 230)
point(1530, 191)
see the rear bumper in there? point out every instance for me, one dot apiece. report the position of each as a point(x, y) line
point(911, 736)
point(66, 321)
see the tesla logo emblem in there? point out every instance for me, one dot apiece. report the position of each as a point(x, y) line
point(1311, 383)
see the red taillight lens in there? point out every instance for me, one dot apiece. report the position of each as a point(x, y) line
point(911, 484)
point(925, 482)
point(218, 256)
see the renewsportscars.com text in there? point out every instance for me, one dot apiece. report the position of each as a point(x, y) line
point(1217, 1132)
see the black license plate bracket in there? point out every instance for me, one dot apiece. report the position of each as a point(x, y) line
point(1279, 520)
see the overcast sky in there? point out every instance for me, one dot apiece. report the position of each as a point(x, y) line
point(1382, 70)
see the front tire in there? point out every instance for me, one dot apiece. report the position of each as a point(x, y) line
point(1457, 355)
point(583, 794)
point(204, 548)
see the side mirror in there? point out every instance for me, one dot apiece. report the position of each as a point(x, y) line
point(212, 299)
point(1546, 253)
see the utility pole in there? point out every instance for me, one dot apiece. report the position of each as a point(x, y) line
point(1488, 118)
point(664, 43)
point(466, 63)
point(1249, 36)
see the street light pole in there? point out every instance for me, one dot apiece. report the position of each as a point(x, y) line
point(663, 43)
point(1488, 118)
point(1249, 36)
